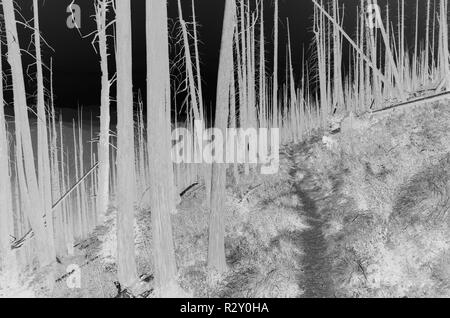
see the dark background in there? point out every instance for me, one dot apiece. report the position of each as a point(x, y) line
point(76, 64)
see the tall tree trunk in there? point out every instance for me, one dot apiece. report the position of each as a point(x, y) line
point(216, 250)
point(197, 63)
point(159, 144)
point(275, 68)
point(427, 43)
point(57, 191)
point(243, 69)
point(42, 136)
point(125, 147)
point(29, 188)
point(443, 44)
point(262, 72)
point(189, 67)
point(8, 264)
point(292, 92)
point(337, 50)
point(103, 146)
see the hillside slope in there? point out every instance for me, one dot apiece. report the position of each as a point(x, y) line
point(385, 184)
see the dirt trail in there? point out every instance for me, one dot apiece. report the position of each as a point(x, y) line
point(316, 279)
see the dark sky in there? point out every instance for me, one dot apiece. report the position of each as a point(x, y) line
point(76, 66)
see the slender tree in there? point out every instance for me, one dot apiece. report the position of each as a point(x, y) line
point(443, 43)
point(125, 147)
point(189, 66)
point(262, 71)
point(158, 127)
point(42, 135)
point(275, 68)
point(8, 264)
point(427, 41)
point(57, 191)
point(216, 250)
point(337, 51)
point(197, 62)
point(33, 206)
point(101, 9)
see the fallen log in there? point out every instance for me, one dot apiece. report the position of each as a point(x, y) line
point(18, 243)
point(416, 102)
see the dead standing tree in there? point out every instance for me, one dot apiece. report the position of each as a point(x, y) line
point(159, 145)
point(126, 262)
point(101, 10)
point(216, 250)
point(30, 194)
point(8, 264)
point(44, 174)
point(275, 68)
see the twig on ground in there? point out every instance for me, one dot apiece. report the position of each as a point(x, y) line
point(249, 192)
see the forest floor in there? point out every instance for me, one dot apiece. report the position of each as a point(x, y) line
point(316, 279)
point(263, 244)
point(384, 200)
point(363, 213)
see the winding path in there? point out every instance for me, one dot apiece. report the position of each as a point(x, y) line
point(316, 278)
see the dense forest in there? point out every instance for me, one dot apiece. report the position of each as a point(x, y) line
point(168, 194)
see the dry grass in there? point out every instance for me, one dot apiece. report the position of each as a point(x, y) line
point(388, 208)
point(263, 254)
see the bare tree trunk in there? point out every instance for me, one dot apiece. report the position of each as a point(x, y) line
point(29, 187)
point(43, 145)
point(82, 186)
point(427, 42)
point(159, 145)
point(189, 67)
point(78, 216)
point(292, 93)
point(337, 49)
point(262, 72)
point(197, 63)
point(216, 250)
point(57, 191)
point(125, 147)
point(443, 43)
point(275, 69)
point(8, 263)
point(103, 146)
point(245, 50)
point(321, 61)
point(402, 42)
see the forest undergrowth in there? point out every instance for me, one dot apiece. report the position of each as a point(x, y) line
point(386, 185)
point(361, 213)
point(262, 248)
